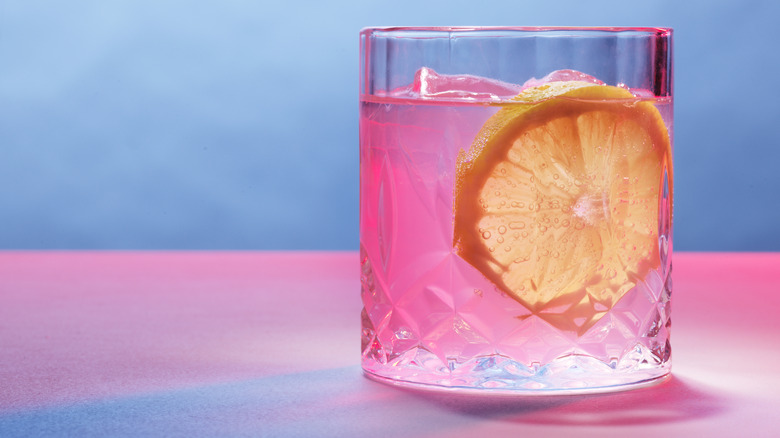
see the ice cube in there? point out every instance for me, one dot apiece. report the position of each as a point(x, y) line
point(429, 85)
point(574, 75)
point(562, 75)
point(641, 93)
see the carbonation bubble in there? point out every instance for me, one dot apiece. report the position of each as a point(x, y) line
point(518, 225)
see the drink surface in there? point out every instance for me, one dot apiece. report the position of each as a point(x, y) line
point(435, 315)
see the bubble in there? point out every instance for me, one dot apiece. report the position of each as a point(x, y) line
point(517, 225)
point(486, 235)
point(502, 229)
point(500, 239)
point(507, 248)
point(555, 176)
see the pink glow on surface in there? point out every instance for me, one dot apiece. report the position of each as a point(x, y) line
point(79, 326)
point(206, 344)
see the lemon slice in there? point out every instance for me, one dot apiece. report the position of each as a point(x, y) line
point(557, 201)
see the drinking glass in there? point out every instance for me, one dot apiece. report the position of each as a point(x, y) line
point(516, 207)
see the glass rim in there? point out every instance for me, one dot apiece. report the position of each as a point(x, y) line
point(518, 29)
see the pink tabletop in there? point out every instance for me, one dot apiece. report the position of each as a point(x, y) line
point(267, 344)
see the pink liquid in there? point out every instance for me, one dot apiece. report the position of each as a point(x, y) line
point(431, 318)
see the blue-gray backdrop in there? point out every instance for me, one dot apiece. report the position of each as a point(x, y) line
point(153, 124)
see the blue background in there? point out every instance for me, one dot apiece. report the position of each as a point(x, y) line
point(233, 124)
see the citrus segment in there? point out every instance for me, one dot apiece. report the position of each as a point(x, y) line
point(557, 200)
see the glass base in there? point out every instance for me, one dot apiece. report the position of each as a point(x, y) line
point(491, 376)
